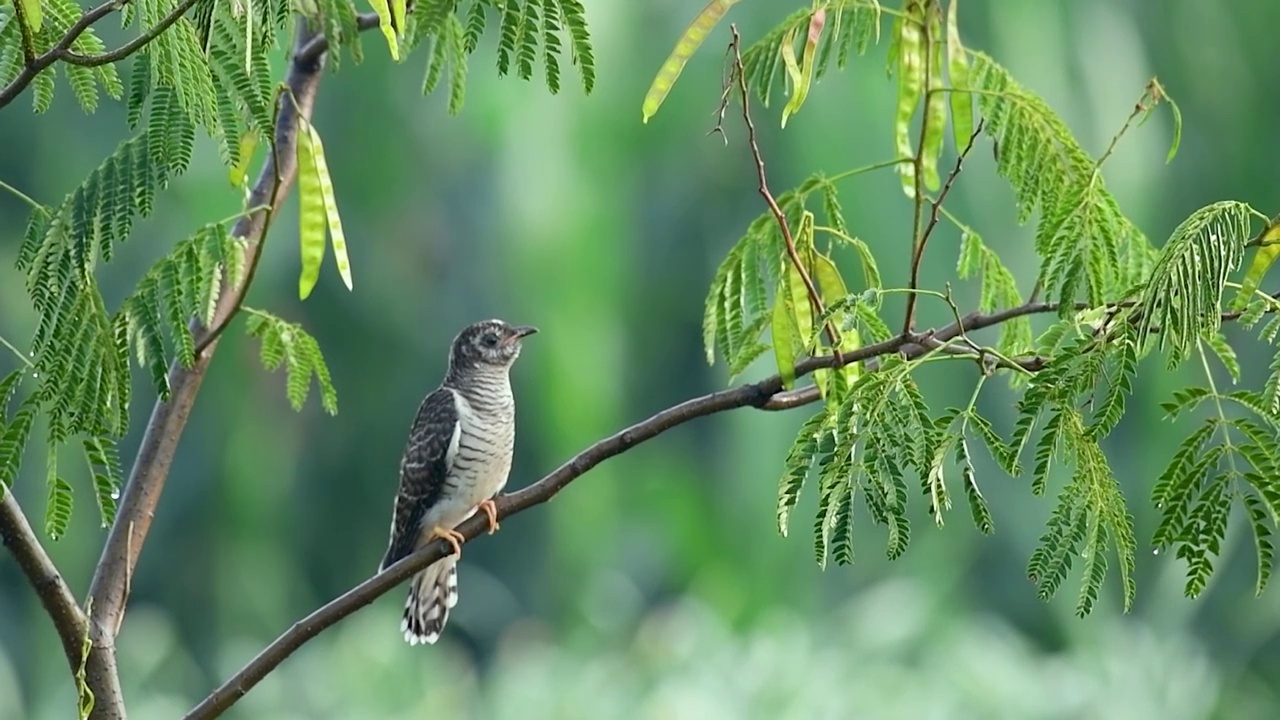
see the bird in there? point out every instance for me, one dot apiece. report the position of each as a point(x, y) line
point(455, 462)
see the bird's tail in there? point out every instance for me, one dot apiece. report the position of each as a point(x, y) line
point(431, 593)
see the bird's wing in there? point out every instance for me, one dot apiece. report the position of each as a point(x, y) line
point(433, 440)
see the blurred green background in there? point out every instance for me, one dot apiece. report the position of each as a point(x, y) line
point(656, 586)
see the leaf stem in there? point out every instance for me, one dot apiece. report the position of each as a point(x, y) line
point(868, 168)
point(20, 195)
point(25, 360)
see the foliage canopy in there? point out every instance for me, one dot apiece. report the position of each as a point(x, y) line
point(1114, 297)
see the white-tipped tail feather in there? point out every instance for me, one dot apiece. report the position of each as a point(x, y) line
point(431, 593)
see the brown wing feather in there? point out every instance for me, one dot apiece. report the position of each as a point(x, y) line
point(423, 470)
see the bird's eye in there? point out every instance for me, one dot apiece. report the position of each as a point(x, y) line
point(489, 340)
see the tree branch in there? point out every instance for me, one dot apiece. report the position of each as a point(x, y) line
point(319, 44)
point(767, 394)
point(111, 581)
point(37, 64)
point(760, 395)
point(130, 47)
point(44, 577)
point(917, 253)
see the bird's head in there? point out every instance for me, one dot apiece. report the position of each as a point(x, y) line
point(488, 343)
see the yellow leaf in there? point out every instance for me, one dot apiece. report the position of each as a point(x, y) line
point(804, 77)
point(398, 9)
point(238, 175)
point(685, 47)
point(385, 25)
point(311, 215)
point(1268, 251)
point(32, 14)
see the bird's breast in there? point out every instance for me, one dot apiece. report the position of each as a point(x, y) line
point(482, 462)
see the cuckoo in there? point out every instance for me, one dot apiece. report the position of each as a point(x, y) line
point(455, 462)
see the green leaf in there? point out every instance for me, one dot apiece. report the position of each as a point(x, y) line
point(911, 60)
point(289, 344)
point(14, 441)
point(397, 15)
point(799, 460)
point(32, 14)
point(1225, 353)
point(1183, 400)
point(935, 108)
point(1085, 242)
point(833, 291)
point(852, 27)
point(686, 46)
point(803, 76)
point(57, 514)
point(104, 467)
point(977, 503)
point(1184, 294)
point(784, 340)
point(958, 71)
point(1263, 545)
point(238, 175)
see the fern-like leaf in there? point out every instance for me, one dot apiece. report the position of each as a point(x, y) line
point(1182, 300)
point(104, 466)
point(57, 513)
point(1085, 242)
point(180, 286)
point(799, 460)
point(289, 344)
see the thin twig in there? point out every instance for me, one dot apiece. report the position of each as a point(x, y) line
point(1139, 108)
point(24, 28)
point(211, 335)
point(917, 180)
point(20, 195)
point(35, 65)
point(917, 251)
point(814, 299)
point(130, 47)
point(729, 71)
point(14, 349)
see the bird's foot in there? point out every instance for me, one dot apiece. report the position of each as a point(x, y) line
point(492, 511)
point(453, 537)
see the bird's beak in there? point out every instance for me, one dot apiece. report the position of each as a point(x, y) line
point(520, 332)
